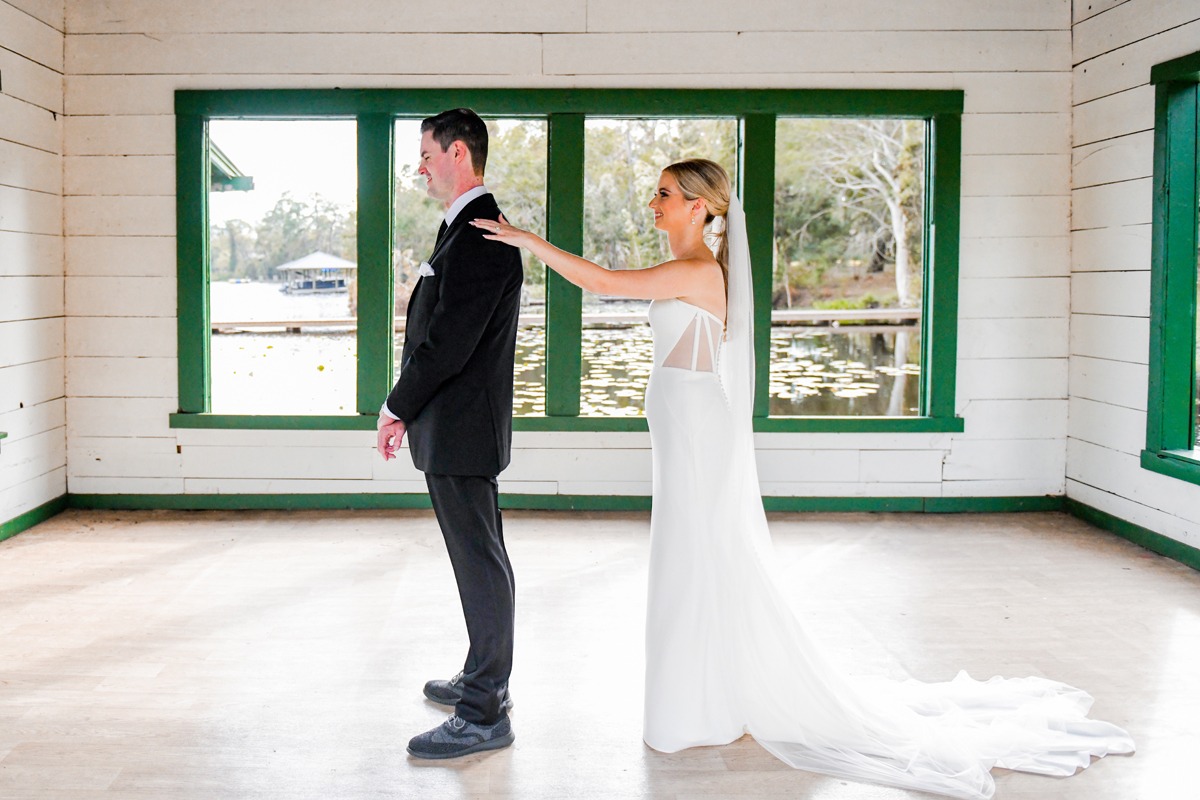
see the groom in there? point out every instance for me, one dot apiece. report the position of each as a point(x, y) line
point(454, 400)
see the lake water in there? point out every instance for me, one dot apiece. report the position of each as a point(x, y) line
point(814, 371)
point(251, 302)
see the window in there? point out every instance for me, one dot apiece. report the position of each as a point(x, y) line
point(516, 174)
point(846, 297)
point(579, 166)
point(281, 281)
point(1172, 419)
point(622, 162)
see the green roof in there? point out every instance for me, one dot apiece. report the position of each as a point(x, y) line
point(226, 177)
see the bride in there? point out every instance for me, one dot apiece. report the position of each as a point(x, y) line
point(725, 654)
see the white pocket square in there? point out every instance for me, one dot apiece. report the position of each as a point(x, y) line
point(426, 271)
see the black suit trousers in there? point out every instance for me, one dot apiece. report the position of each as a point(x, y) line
point(468, 512)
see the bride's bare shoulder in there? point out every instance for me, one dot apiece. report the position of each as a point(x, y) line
point(692, 263)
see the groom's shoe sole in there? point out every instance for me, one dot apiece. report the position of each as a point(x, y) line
point(489, 744)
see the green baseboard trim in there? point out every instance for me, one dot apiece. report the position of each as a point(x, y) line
point(245, 502)
point(843, 503)
point(928, 505)
point(549, 502)
point(32, 517)
point(1144, 537)
point(1163, 545)
point(287, 502)
point(992, 505)
point(575, 502)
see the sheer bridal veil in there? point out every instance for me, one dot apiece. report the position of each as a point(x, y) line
point(737, 362)
point(937, 737)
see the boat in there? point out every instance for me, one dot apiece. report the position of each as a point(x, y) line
point(317, 273)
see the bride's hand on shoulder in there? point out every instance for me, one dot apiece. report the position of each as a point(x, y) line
point(502, 231)
point(579, 271)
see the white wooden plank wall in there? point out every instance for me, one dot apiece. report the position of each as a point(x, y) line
point(124, 59)
point(1115, 45)
point(32, 347)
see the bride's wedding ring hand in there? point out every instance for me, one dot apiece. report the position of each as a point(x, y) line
point(500, 230)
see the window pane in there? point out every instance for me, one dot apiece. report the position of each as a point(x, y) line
point(622, 162)
point(282, 242)
point(847, 287)
point(516, 174)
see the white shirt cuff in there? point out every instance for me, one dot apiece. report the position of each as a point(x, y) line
point(386, 411)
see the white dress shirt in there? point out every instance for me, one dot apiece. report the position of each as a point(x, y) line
point(461, 202)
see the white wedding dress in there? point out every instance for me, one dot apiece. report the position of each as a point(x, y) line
point(725, 653)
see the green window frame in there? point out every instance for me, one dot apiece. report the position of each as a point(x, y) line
point(1173, 391)
point(565, 111)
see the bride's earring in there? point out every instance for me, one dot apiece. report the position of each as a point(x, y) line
point(693, 219)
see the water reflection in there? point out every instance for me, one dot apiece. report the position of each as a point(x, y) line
point(284, 373)
point(529, 373)
point(616, 366)
point(813, 371)
point(826, 373)
point(271, 372)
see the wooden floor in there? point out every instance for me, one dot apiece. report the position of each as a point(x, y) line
point(281, 654)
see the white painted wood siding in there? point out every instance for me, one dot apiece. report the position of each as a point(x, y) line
point(32, 345)
point(124, 59)
point(1115, 46)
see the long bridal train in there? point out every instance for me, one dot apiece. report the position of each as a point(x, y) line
point(725, 653)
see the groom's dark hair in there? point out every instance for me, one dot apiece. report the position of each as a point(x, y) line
point(461, 125)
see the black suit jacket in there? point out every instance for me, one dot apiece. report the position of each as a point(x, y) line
point(455, 390)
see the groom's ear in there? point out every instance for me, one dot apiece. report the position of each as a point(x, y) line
point(461, 151)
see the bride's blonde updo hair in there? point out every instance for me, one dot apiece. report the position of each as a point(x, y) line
point(699, 177)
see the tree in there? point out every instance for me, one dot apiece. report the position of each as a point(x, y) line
point(623, 161)
point(294, 228)
point(516, 175)
point(876, 165)
point(416, 222)
point(844, 189)
point(233, 251)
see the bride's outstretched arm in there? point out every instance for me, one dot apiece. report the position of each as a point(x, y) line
point(670, 279)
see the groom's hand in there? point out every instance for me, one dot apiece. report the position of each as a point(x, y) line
point(389, 436)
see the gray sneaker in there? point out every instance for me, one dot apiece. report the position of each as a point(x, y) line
point(448, 693)
point(456, 737)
